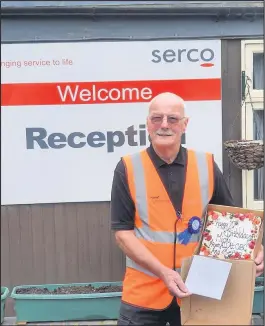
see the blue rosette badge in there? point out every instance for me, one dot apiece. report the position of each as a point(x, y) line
point(194, 227)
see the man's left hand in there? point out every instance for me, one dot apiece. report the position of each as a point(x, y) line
point(259, 261)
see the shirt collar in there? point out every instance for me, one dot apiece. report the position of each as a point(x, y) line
point(180, 159)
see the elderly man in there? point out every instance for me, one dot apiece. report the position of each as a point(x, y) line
point(156, 194)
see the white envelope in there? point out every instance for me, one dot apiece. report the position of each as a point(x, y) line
point(208, 277)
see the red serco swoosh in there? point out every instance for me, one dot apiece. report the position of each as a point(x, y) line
point(135, 91)
point(207, 65)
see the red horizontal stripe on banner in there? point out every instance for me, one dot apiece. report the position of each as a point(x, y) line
point(107, 92)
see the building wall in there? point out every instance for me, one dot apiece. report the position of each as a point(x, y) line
point(63, 243)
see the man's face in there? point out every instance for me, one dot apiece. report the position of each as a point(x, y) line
point(166, 123)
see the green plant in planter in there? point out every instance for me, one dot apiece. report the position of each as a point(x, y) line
point(258, 296)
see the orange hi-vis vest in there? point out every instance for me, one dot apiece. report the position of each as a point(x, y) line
point(155, 223)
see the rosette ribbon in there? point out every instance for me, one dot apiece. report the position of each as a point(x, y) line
point(194, 227)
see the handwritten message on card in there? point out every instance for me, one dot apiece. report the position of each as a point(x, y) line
point(230, 235)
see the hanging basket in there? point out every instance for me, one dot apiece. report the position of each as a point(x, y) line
point(245, 154)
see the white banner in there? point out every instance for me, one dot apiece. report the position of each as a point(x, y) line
point(71, 110)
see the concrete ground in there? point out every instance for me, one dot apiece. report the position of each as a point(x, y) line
point(256, 320)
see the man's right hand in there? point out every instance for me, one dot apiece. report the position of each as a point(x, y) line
point(175, 284)
point(134, 249)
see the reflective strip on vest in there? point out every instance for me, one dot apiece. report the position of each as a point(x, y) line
point(141, 201)
point(130, 263)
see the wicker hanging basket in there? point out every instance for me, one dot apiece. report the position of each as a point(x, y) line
point(245, 154)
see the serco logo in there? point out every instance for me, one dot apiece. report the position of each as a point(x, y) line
point(204, 56)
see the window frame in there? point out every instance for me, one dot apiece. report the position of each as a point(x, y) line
point(257, 96)
point(247, 49)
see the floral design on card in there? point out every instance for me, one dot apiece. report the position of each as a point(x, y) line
point(230, 235)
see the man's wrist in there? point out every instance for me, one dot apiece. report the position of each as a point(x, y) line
point(163, 272)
